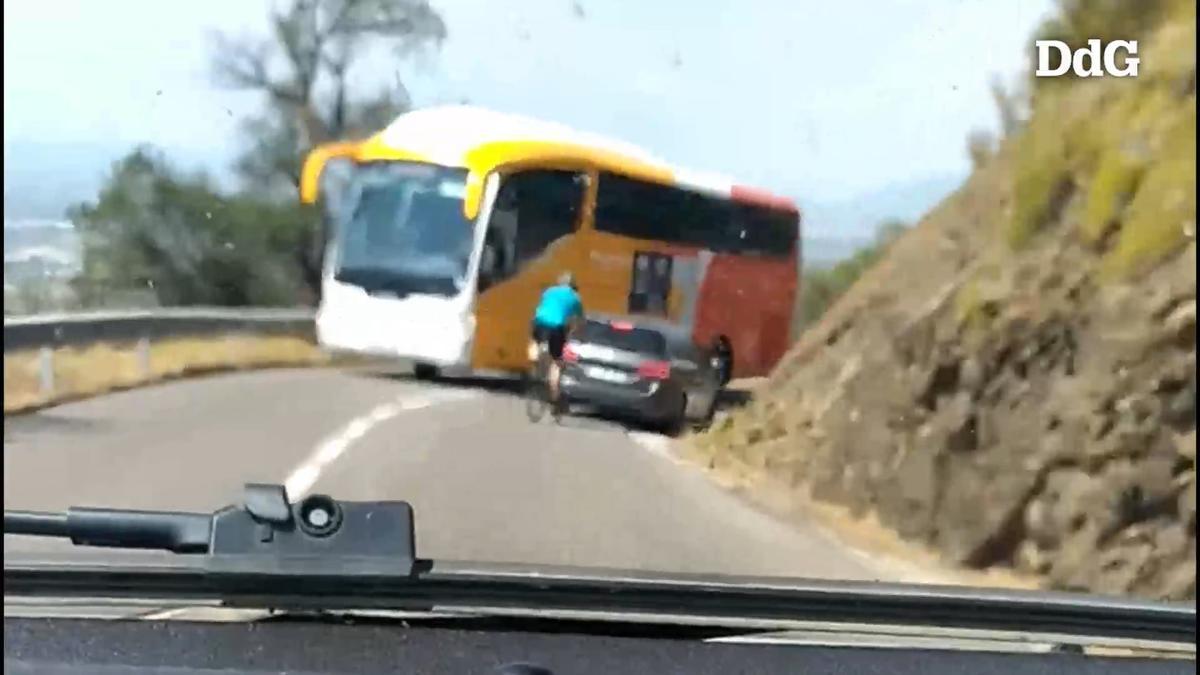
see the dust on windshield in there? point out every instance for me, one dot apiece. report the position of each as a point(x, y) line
point(937, 262)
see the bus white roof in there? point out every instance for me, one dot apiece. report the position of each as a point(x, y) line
point(450, 132)
point(447, 134)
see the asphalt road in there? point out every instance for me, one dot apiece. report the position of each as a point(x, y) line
point(486, 484)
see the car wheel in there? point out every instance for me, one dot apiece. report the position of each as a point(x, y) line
point(705, 422)
point(675, 425)
point(425, 372)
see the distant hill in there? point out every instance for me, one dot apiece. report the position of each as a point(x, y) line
point(833, 231)
point(39, 249)
point(828, 251)
point(43, 178)
point(857, 218)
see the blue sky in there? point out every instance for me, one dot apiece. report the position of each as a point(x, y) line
point(818, 100)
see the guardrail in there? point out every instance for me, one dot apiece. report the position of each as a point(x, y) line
point(138, 329)
point(60, 330)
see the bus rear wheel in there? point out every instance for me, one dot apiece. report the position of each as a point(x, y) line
point(425, 372)
point(723, 360)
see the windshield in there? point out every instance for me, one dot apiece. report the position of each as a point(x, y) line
point(637, 340)
point(912, 284)
point(401, 229)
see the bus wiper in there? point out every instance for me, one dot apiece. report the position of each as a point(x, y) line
point(376, 280)
point(267, 534)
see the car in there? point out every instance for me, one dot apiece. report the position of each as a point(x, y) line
point(647, 368)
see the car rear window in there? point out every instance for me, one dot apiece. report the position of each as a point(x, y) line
point(637, 340)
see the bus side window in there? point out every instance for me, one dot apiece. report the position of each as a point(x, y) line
point(533, 210)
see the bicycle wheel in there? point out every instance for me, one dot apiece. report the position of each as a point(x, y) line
point(558, 406)
point(537, 394)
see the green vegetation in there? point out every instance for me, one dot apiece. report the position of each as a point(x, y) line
point(1127, 145)
point(1042, 178)
point(1077, 21)
point(1162, 216)
point(1113, 185)
point(821, 287)
point(179, 238)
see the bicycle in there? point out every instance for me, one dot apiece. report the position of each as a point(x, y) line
point(538, 399)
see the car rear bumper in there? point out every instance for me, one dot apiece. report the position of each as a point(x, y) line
point(661, 403)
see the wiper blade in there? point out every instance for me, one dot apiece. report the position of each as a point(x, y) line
point(176, 532)
point(376, 280)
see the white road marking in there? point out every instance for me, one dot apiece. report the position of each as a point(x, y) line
point(335, 445)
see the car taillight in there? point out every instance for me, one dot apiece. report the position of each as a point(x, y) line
point(569, 354)
point(654, 370)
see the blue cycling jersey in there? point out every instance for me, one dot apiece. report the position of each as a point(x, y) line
point(558, 305)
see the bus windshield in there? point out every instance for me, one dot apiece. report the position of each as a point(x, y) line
point(401, 230)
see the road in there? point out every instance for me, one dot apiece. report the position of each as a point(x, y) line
point(486, 484)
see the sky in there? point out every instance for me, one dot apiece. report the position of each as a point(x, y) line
point(821, 100)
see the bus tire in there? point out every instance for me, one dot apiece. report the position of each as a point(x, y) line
point(425, 372)
point(724, 352)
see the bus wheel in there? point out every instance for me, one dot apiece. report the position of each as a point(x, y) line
point(425, 372)
point(723, 352)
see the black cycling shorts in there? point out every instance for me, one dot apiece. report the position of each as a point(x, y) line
point(555, 338)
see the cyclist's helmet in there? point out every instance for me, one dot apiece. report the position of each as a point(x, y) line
point(567, 279)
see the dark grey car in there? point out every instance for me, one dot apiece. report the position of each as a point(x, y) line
point(643, 367)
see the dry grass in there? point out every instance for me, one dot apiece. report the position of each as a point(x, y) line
point(96, 369)
point(902, 560)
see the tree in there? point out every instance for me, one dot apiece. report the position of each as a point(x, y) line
point(176, 238)
point(1009, 107)
point(303, 70)
point(980, 147)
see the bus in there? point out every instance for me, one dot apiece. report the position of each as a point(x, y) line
point(445, 227)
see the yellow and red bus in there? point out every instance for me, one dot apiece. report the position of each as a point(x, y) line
point(447, 225)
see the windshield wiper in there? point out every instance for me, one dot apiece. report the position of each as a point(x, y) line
point(266, 535)
point(339, 555)
point(376, 280)
point(177, 532)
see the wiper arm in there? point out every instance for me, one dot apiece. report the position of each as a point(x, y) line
point(176, 532)
point(267, 535)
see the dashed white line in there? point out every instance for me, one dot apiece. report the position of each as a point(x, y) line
point(335, 445)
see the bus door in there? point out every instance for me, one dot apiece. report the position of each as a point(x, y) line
point(528, 243)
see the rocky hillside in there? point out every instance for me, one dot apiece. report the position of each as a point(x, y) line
point(1014, 385)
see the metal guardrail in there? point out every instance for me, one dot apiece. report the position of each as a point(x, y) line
point(138, 328)
point(62, 330)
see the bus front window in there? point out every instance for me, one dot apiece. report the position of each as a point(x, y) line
point(402, 230)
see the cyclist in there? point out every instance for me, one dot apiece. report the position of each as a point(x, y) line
point(559, 309)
